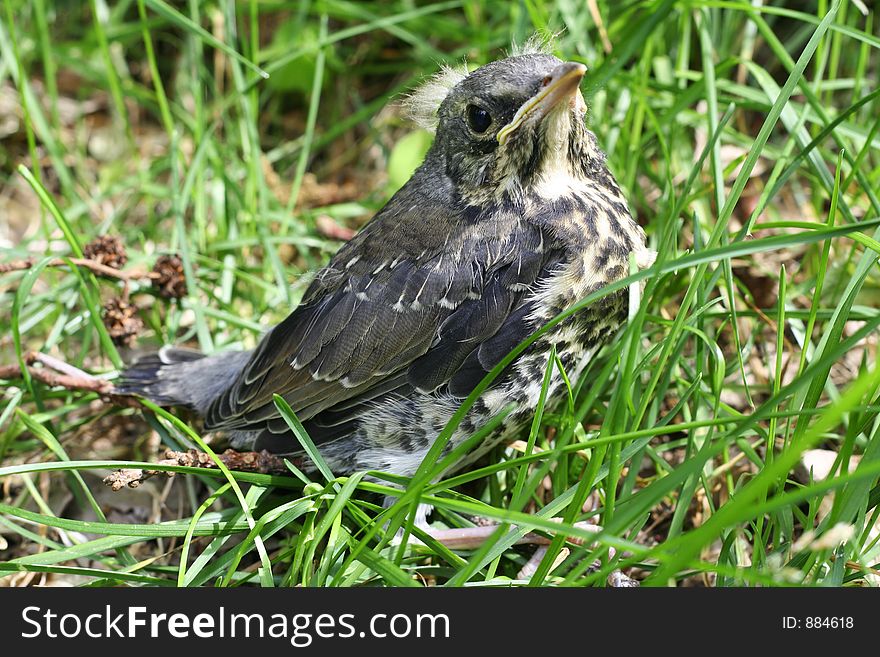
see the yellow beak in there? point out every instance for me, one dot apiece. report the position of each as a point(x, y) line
point(561, 84)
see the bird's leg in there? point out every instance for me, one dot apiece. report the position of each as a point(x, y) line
point(471, 538)
point(419, 522)
point(531, 566)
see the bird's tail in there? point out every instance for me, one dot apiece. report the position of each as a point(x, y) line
point(181, 377)
point(155, 376)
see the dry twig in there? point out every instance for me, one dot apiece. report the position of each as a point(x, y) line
point(262, 462)
point(93, 265)
point(57, 373)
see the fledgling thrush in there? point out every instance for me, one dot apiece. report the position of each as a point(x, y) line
point(512, 218)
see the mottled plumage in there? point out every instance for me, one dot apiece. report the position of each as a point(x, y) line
point(512, 218)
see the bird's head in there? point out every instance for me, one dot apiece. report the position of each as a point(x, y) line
point(510, 127)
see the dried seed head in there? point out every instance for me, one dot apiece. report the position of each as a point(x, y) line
point(122, 321)
point(107, 250)
point(170, 280)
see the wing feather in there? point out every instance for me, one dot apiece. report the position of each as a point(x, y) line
point(369, 328)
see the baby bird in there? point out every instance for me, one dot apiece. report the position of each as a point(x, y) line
point(512, 218)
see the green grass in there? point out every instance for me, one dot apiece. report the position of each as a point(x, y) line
point(746, 139)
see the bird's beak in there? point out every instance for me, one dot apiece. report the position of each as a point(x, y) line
point(561, 84)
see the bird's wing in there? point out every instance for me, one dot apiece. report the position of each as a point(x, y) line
point(368, 326)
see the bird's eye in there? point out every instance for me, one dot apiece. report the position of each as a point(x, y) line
point(478, 119)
